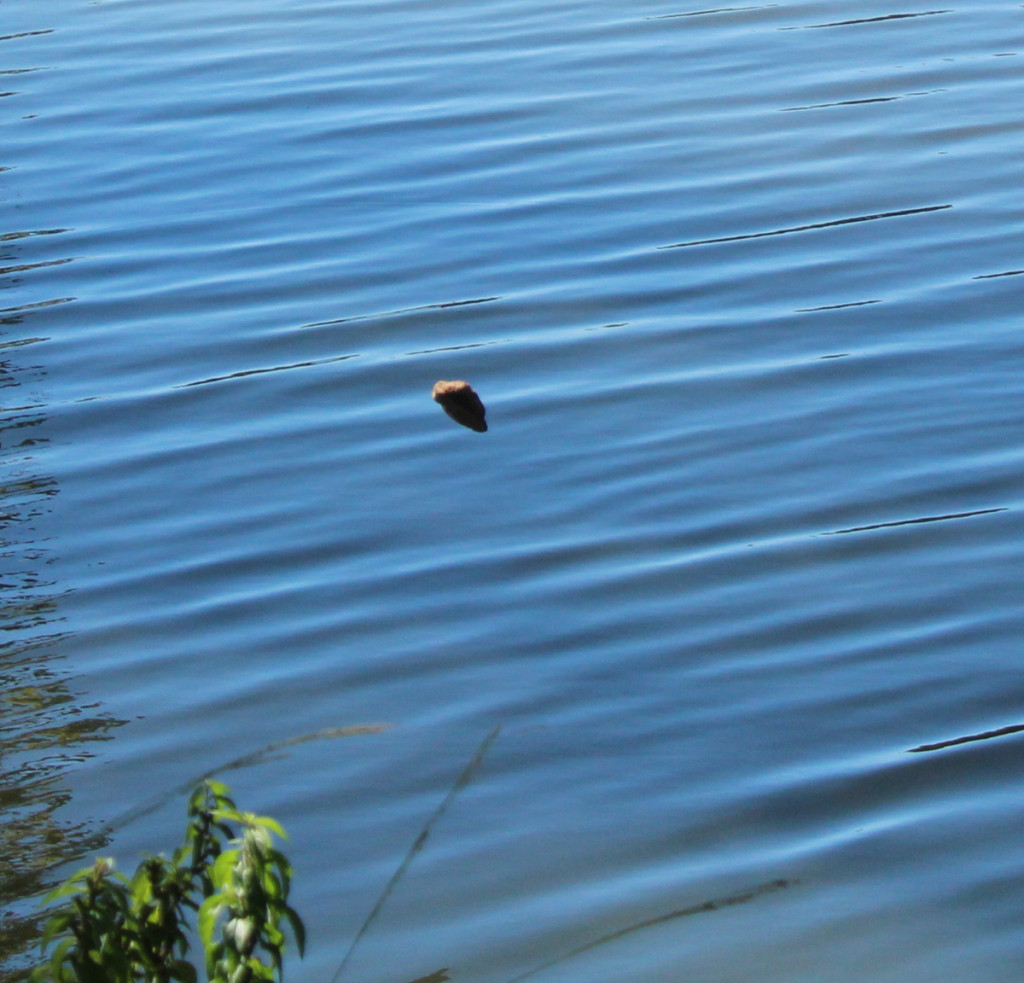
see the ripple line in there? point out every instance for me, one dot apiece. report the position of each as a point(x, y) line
point(809, 228)
point(37, 305)
point(835, 307)
point(714, 10)
point(25, 34)
point(453, 348)
point(913, 522)
point(845, 102)
point(869, 20)
point(19, 342)
point(859, 102)
point(983, 736)
point(29, 233)
point(993, 276)
point(273, 368)
point(403, 310)
point(25, 267)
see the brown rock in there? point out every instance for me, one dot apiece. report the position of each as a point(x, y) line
point(461, 403)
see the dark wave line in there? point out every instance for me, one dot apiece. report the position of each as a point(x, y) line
point(453, 348)
point(835, 307)
point(992, 276)
point(37, 305)
point(25, 34)
point(403, 310)
point(913, 522)
point(273, 368)
point(25, 267)
point(868, 20)
point(809, 228)
point(9, 236)
point(845, 102)
point(19, 342)
point(858, 102)
point(714, 10)
point(984, 736)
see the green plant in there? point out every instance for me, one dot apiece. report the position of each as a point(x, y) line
point(109, 929)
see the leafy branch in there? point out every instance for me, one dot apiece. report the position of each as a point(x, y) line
point(109, 929)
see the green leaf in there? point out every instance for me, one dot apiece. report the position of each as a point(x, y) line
point(227, 814)
point(58, 957)
point(73, 885)
point(142, 888)
point(298, 928)
point(280, 861)
point(107, 928)
point(218, 789)
point(214, 962)
point(272, 824)
point(55, 925)
point(184, 971)
point(260, 971)
point(223, 867)
point(271, 886)
point(207, 918)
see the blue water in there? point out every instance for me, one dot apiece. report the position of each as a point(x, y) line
point(649, 660)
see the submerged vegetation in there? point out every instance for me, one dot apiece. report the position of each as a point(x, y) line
point(227, 874)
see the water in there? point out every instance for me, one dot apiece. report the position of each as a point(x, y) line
point(648, 660)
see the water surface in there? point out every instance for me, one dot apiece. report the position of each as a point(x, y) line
point(672, 664)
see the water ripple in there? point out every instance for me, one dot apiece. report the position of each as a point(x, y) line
point(709, 571)
point(809, 228)
point(876, 20)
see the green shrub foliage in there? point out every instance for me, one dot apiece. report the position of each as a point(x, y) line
point(111, 929)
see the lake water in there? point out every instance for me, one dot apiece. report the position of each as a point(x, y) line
point(674, 665)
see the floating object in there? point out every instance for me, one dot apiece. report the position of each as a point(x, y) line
point(461, 403)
